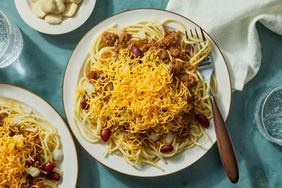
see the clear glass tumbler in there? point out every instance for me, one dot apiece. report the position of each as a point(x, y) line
point(269, 115)
point(11, 41)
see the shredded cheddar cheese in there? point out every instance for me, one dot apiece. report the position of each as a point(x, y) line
point(144, 88)
point(27, 142)
point(14, 151)
point(143, 105)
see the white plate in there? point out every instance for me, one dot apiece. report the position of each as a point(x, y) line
point(72, 74)
point(68, 24)
point(69, 164)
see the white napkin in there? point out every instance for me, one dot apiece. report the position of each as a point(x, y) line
point(231, 23)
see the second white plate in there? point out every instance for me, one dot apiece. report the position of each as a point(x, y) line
point(69, 164)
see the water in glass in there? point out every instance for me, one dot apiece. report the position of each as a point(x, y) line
point(11, 42)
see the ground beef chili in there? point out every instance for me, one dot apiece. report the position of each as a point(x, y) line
point(171, 39)
point(94, 75)
point(109, 38)
point(123, 41)
point(188, 80)
point(3, 116)
point(163, 55)
point(140, 44)
point(175, 52)
point(177, 68)
point(168, 46)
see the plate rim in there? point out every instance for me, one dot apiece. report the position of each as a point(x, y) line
point(33, 94)
point(34, 26)
point(132, 10)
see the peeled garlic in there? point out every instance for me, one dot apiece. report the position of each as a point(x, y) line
point(54, 18)
point(60, 5)
point(53, 11)
point(76, 1)
point(47, 5)
point(70, 9)
point(37, 10)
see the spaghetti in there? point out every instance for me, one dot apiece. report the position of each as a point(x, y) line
point(30, 148)
point(141, 93)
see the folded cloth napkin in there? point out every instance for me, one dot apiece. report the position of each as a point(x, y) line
point(231, 23)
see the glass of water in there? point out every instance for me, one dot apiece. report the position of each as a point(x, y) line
point(270, 115)
point(11, 41)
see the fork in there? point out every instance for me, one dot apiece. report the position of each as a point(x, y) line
point(226, 151)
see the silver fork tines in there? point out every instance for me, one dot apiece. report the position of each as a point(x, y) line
point(206, 66)
point(196, 35)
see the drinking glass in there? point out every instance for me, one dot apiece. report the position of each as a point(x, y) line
point(269, 119)
point(11, 41)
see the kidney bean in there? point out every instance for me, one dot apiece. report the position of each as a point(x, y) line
point(105, 134)
point(54, 176)
point(136, 51)
point(32, 160)
point(203, 120)
point(84, 103)
point(48, 167)
point(166, 148)
point(28, 162)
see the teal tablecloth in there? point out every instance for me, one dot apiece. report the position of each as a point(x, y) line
point(41, 70)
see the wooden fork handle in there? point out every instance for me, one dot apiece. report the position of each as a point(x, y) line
point(224, 144)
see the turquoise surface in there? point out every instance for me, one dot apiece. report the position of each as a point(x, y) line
point(41, 70)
